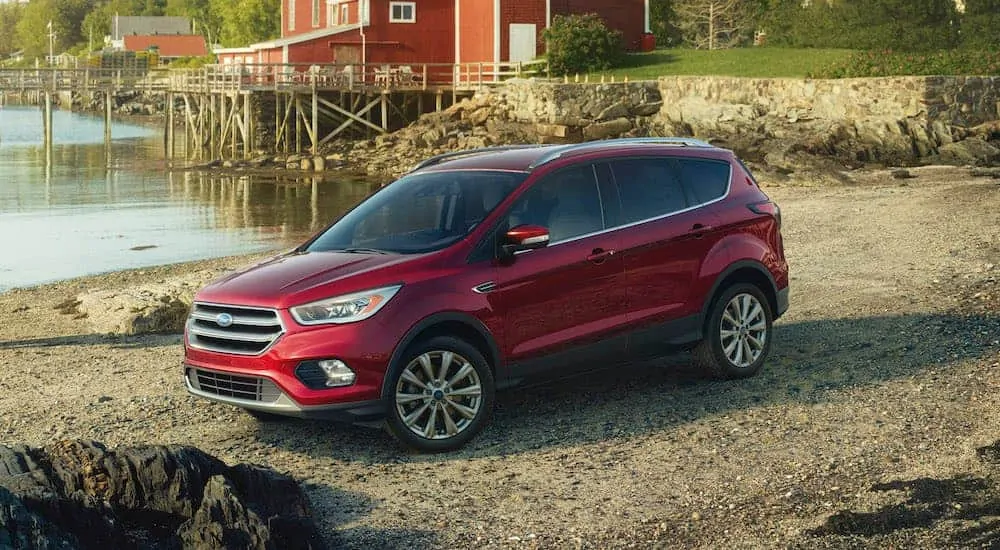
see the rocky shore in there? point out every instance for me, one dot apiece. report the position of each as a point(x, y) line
point(789, 128)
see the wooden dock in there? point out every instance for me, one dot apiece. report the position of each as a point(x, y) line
point(227, 110)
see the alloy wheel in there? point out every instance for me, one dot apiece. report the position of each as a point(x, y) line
point(438, 395)
point(743, 330)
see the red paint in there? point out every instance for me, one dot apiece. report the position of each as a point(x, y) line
point(521, 11)
point(170, 45)
point(627, 16)
point(476, 28)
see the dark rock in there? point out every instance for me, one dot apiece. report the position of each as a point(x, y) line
point(75, 494)
point(609, 129)
point(902, 174)
point(975, 151)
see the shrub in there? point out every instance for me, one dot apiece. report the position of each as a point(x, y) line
point(891, 63)
point(581, 44)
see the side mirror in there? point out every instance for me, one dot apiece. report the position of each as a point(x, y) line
point(525, 237)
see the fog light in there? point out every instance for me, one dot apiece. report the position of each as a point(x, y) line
point(337, 373)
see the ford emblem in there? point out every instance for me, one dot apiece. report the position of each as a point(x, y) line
point(224, 320)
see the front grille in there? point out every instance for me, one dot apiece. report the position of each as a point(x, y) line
point(238, 387)
point(250, 332)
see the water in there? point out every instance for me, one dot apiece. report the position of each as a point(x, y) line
point(93, 211)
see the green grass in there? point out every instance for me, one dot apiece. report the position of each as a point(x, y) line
point(749, 62)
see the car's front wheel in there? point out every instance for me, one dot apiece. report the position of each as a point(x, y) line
point(440, 395)
point(738, 333)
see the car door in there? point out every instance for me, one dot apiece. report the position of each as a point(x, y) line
point(563, 305)
point(670, 231)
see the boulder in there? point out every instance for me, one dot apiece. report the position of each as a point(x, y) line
point(973, 150)
point(618, 110)
point(160, 307)
point(319, 163)
point(79, 494)
point(609, 129)
point(306, 164)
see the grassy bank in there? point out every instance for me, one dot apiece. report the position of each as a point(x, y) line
point(748, 62)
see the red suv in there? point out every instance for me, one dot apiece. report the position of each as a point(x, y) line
point(483, 268)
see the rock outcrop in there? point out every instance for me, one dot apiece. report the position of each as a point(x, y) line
point(77, 494)
point(787, 125)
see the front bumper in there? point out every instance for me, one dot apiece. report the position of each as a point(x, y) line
point(262, 394)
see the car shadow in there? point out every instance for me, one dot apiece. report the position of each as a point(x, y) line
point(115, 341)
point(333, 509)
point(810, 361)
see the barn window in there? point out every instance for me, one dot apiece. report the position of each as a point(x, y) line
point(315, 20)
point(402, 12)
point(331, 14)
point(291, 15)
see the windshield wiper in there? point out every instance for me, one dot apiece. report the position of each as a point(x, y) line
point(362, 250)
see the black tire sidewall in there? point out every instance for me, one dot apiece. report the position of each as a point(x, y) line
point(713, 329)
point(398, 428)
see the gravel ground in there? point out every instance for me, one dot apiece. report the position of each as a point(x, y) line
point(862, 430)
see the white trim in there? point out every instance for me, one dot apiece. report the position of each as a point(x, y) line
point(548, 12)
point(234, 50)
point(284, 53)
point(458, 31)
point(647, 23)
point(496, 32)
point(402, 6)
point(291, 14)
point(304, 37)
point(316, 8)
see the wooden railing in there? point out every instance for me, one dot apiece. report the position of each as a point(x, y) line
point(349, 76)
point(281, 76)
point(49, 79)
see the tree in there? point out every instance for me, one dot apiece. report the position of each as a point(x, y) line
point(712, 24)
point(66, 17)
point(981, 24)
point(580, 44)
point(663, 23)
point(10, 15)
point(246, 21)
point(206, 22)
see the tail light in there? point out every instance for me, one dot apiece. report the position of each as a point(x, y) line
point(770, 208)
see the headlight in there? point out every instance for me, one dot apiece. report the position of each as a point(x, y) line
point(344, 309)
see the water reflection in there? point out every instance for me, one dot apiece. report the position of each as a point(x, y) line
point(279, 207)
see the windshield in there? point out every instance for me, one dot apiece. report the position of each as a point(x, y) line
point(419, 213)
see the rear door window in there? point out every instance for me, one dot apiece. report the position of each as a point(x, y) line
point(648, 188)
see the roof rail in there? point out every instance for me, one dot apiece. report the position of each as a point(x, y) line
point(582, 147)
point(468, 152)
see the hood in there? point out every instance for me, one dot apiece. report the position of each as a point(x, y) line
point(301, 277)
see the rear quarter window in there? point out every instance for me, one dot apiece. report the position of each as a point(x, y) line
point(704, 180)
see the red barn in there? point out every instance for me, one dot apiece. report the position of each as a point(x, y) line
point(170, 46)
point(444, 32)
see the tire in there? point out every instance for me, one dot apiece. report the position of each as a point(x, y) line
point(448, 411)
point(749, 334)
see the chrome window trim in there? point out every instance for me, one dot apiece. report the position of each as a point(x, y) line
point(277, 315)
point(729, 188)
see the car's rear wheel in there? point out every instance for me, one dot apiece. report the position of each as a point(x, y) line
point(738, 333)
point(440, 395)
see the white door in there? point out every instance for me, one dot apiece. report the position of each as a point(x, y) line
point(522, 42)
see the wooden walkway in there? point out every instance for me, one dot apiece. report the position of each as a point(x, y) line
point(272, 77)
point(226, 108)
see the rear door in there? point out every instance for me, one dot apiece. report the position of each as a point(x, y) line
point(563, 304)
point(669, 229)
